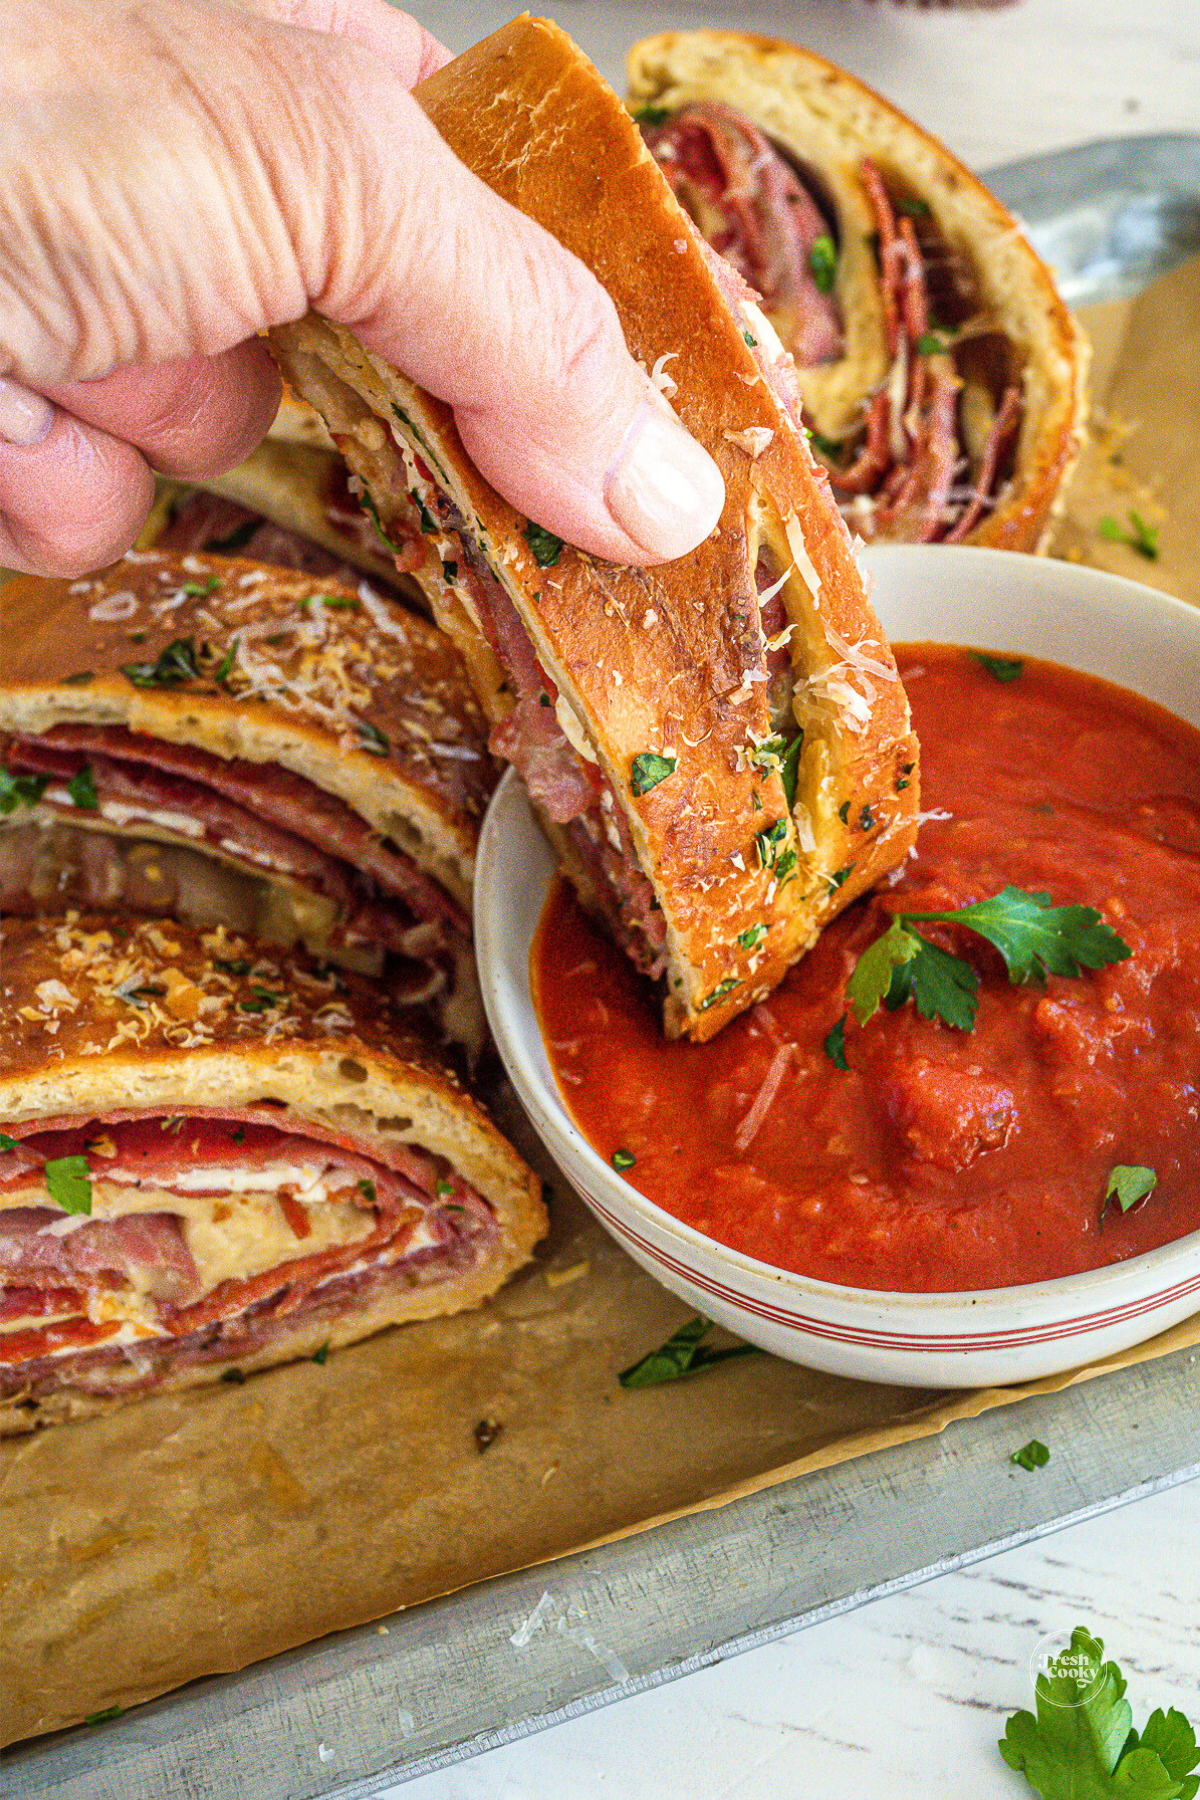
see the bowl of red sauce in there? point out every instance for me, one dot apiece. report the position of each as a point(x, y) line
point(953, 1207)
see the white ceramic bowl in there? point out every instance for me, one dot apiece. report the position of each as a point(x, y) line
point(996, 601)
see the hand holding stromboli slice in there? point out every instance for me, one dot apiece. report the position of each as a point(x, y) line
point(210, 740)
point(211, 1156)
point(718, 748)
point(940, 371)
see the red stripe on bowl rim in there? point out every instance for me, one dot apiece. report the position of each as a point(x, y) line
point(892, 1340)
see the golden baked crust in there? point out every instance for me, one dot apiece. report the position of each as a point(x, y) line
point(365, 700)
point(828, 121)
point(661, 660)
point(98, 1015)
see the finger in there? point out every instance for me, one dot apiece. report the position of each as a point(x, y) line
point(404, 45)
point(491, 314)
point(73, 501)
point(192, 415)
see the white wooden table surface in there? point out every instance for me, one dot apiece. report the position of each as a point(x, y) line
point(904, 1699)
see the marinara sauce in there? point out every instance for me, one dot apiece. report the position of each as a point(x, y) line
point(943, 1159)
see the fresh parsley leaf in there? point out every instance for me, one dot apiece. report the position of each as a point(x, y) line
point(1082, 1745)
point(767, 842)
point(545, 546)
point(622, 1160)
point(7, 1143)
point(444, 1189)
point(371, 739)
point(791, 768)
point(1031, 1455)
point(684, 1353)
point(652, 115)
point(648, 770)
point(1037, 939)
point(943, 987)
point(840, 876)
point(320, 1356)
point(871, 977)
point(82, 789)
point(822, 263)
point(1141, 536)
point(69, 1181)
point(1000, 668)
point(20, 790)
point(835, 1046)
point(785, 867)
point(367, 1190)
point(335, 602)
point(753, 934)
point(719, 992)
point(1127, 1184)
point(200, 588)
point(234, 540)
point(932, 343)
point(175, 666)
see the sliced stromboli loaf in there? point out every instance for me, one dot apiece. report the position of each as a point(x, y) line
point(653, 714)
point(210, 739)
point(215, 1156)
point(940, 370)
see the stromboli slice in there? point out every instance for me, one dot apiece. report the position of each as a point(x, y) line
point(216, 1156)
point(655, 715)
point(206, 738)
point(940, 370)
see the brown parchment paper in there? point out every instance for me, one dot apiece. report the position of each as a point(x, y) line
point(190, 1535)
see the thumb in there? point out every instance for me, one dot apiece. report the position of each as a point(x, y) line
point(488, 312)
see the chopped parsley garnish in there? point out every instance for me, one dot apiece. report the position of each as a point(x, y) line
point(139, 996)
point(334, 602)
point(767, 842)
point(785, 867)
point(781, 754)
point(1031, 1455)
point(719, 992)
point(839, 877)
point(82, 678)
point(371, 739)
point(238, 967)
point(1127, 1184)
point(429, 524)
point(450, 571)
point(543, 699)
point(234, 1377)
point(82, 789)
point(263, 998)
point(372, 512)
point(1000, 668)
point(69, 1181)
point(486, 1433)
point(102, 1718)
point(173, 1122)
point(828, 446)
point(239, 1136)
point(320, 1356)
point(752, 341)
point(175, 666)
point(822, 263)
point(1082, 1744)
point(790, 769)
point(652, 115)
point(684, 1353)
point(754, 934)
point(545, 546)
point(7, 1143)
point(1034, 938)
point(916, 209)
point(648, 770)
point(844, 812)
point(866, 819)
point(201, 588)
point(444, 1189)
point(234, 540)
point(20, 790)
point(367, 1190)
point(835, 1045)
point(224, 668)
point(1141, 536)
point(622, 1160)
point(932, 343)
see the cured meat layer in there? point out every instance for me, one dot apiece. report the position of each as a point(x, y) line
point(205, 1237)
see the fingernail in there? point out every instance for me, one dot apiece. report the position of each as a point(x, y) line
point(25, 418)
point(662, 488)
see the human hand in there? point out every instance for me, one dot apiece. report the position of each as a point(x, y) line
point(177, 176)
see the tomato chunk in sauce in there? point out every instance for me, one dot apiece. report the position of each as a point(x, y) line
point(943, 1160)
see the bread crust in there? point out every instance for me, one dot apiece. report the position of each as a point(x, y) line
point(655, 660)
point(330, 1052)
point(428, 789)
point(827, 120)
